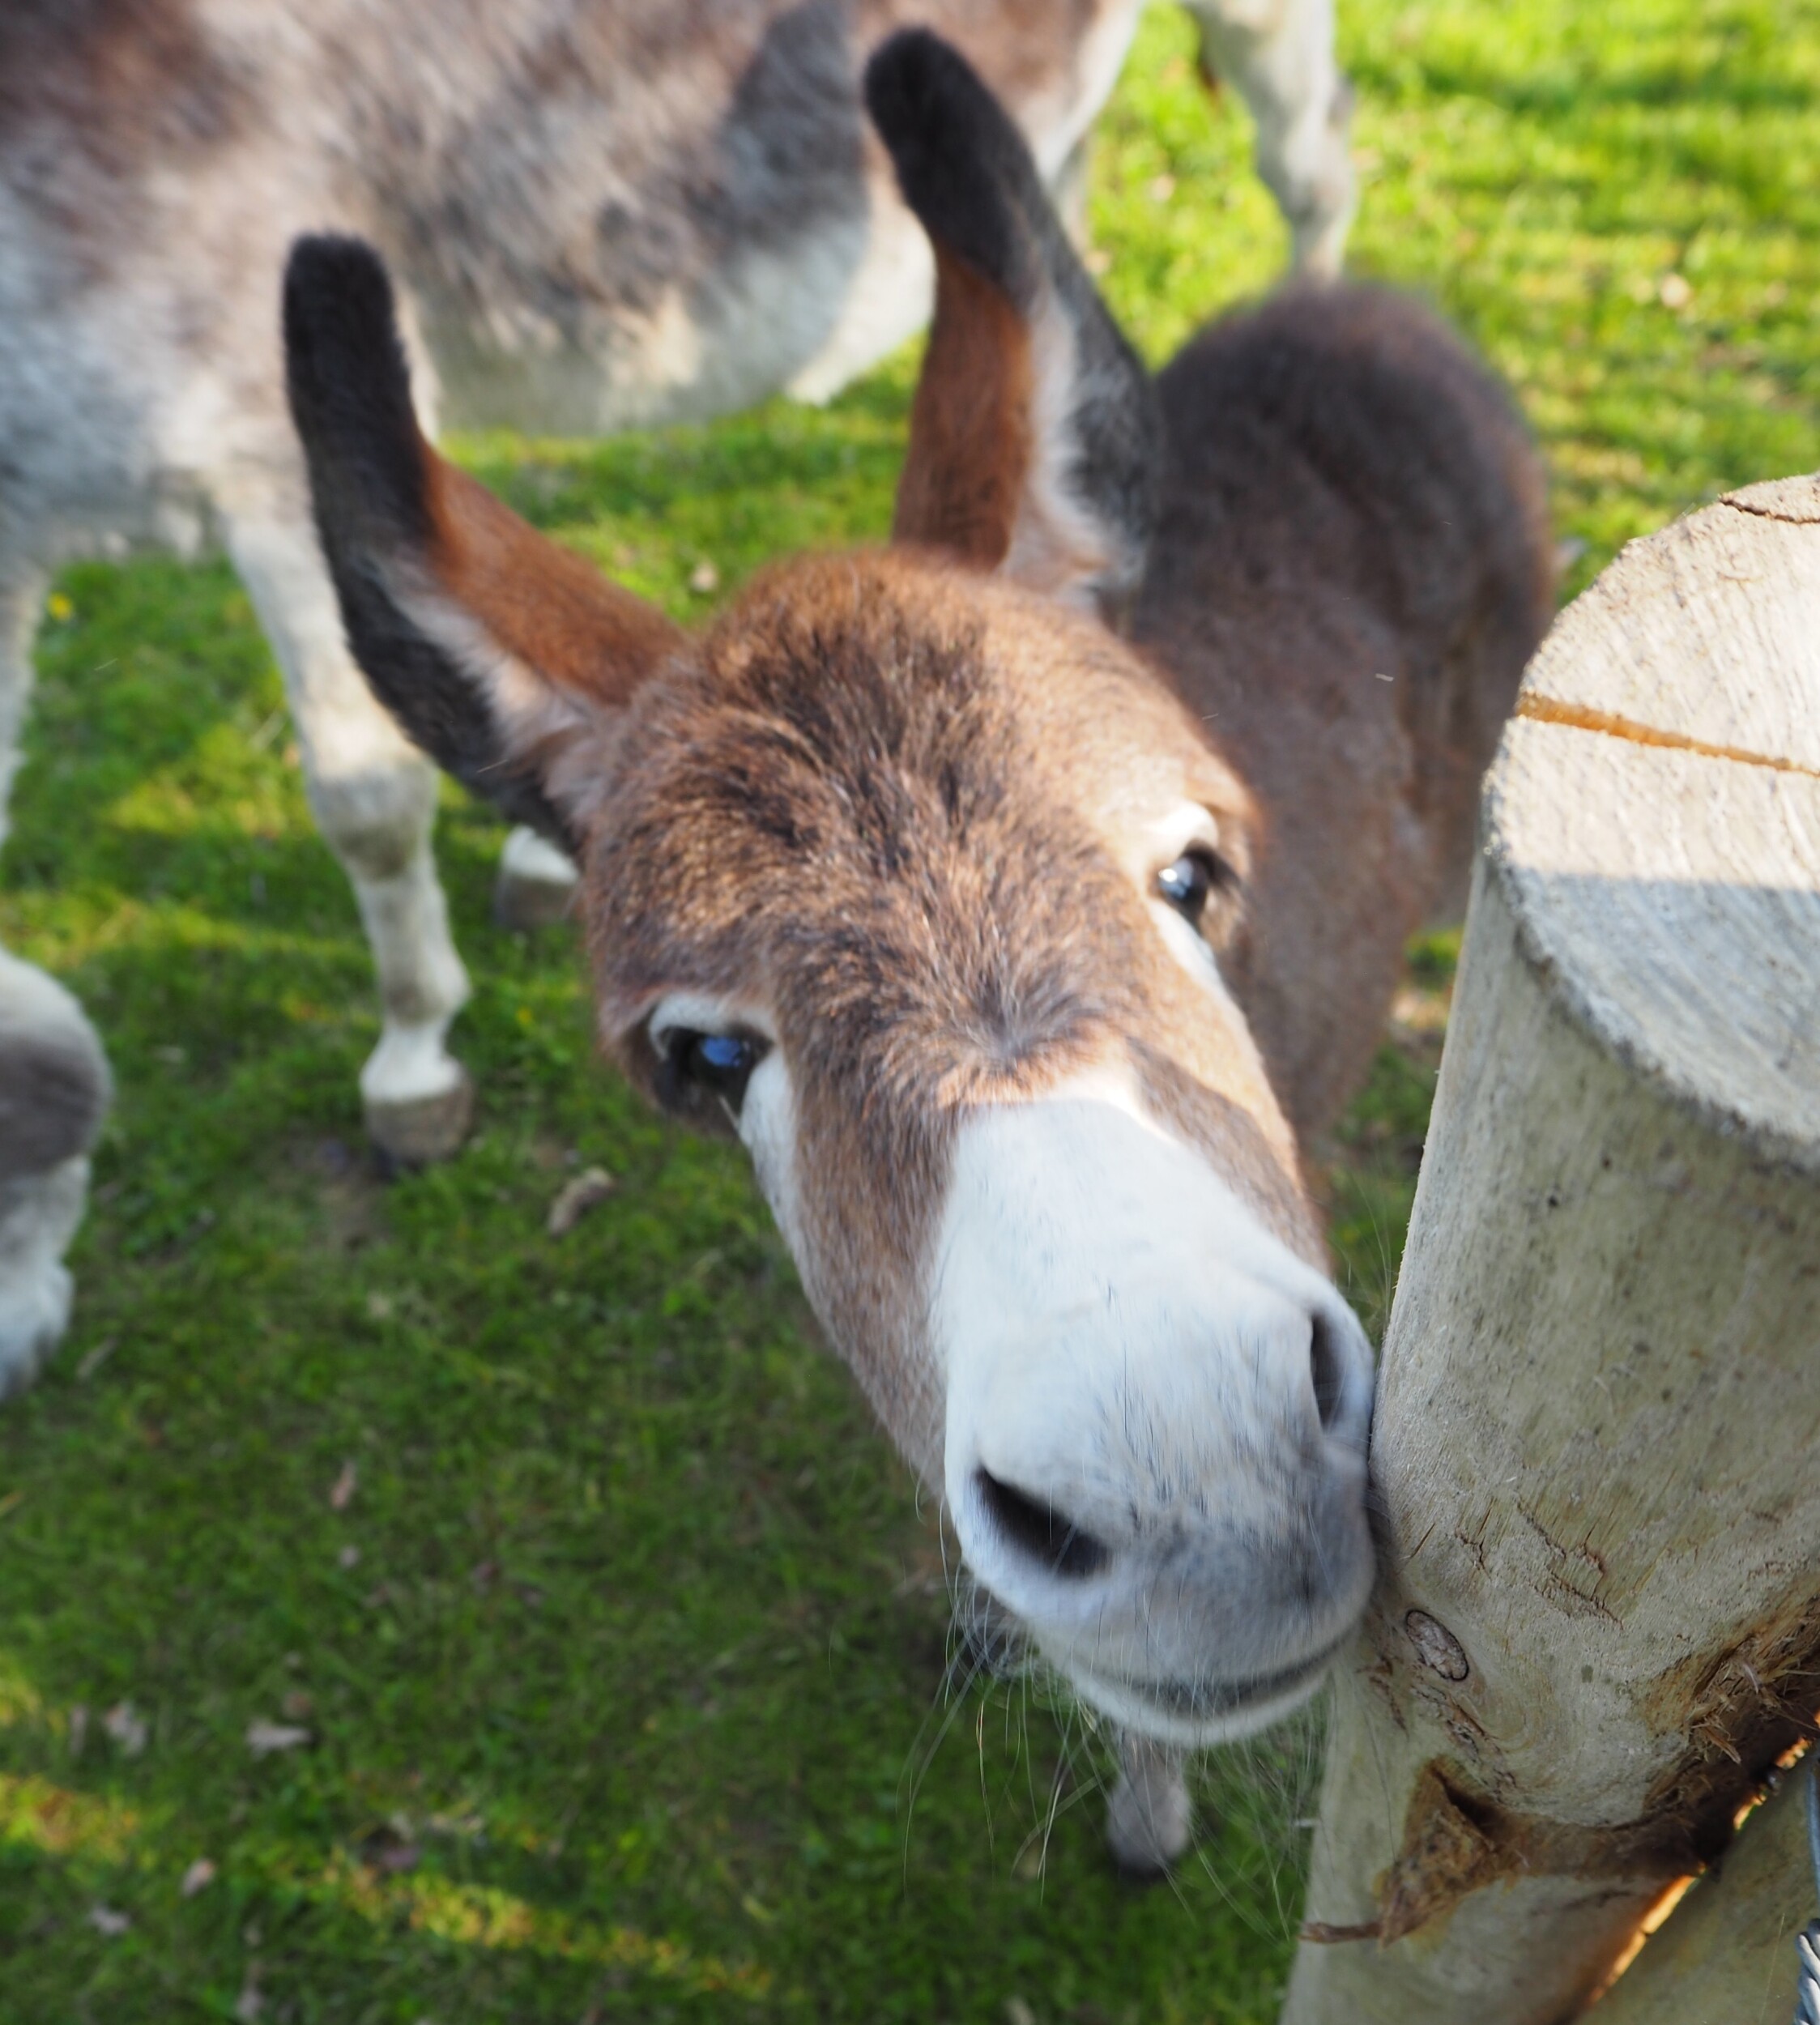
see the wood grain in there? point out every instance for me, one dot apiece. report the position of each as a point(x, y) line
point(1598, 1409)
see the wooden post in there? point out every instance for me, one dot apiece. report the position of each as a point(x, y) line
point(1597, 1440)
point(1726, 1956)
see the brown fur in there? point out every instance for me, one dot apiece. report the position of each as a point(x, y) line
point(907, 811)
point(892, 797)
point(889, 798)
point(930, 833)
point(1033, 437)
point(93, 95)
point(1347, 497)
point(902, 808)
point(542, 603)
point(970, 442)
point(133, 79)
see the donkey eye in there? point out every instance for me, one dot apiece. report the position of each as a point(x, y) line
point(1192, 880)
point(716, 1064)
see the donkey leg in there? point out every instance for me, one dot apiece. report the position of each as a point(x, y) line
point(374, 797)
point(54, 1094)
point(54, 1077)
point(1149, 1820)
point(1280, 56)
point(536, 885)
point(21, 598)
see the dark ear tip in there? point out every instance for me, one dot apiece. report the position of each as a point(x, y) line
point(893, 69)
point(327, 259)
point(335, 287)
point(350, 389)
point(907, 78)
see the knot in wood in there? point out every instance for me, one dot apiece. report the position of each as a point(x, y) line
point(1436, 1647)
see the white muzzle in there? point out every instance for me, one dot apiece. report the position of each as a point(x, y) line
point(1156, 1416)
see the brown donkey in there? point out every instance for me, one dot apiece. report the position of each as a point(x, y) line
point(1022, 892)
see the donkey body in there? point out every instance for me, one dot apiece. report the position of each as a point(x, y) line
point(1022, 892)
point(616, 212)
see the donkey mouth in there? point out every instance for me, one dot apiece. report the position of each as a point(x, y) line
point(1205, 1710)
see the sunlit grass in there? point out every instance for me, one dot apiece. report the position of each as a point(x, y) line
point(625, 1669)
point(36, 1814)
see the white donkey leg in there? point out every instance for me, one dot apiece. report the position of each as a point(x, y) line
point(22, 598)
point(1148, 1821)
point(53, 1094)
point(536, 884)
point(373, 796)
point(53, 1077)
point(1279, 54)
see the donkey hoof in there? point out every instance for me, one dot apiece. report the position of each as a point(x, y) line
point(1149, 1822)
point(414, 1132)
point(536, 885)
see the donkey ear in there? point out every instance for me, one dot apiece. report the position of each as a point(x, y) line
point(1035, 437)
point(504, 656)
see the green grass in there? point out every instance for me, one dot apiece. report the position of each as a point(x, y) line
point(632, 1705)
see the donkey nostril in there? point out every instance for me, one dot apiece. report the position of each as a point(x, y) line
point(1040, 1531)
point(1328, 1363)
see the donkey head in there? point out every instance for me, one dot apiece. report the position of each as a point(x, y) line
point(914, 875)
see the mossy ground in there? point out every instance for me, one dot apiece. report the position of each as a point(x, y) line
point(624, 1662)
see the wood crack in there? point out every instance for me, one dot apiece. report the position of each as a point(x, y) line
point(1740, 504)
point(1547, 709)
point(1456, 1840)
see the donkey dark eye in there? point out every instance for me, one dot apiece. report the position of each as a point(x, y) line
point(715, 1064)
point(1192, 880)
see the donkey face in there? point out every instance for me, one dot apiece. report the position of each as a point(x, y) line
point(913, 876)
